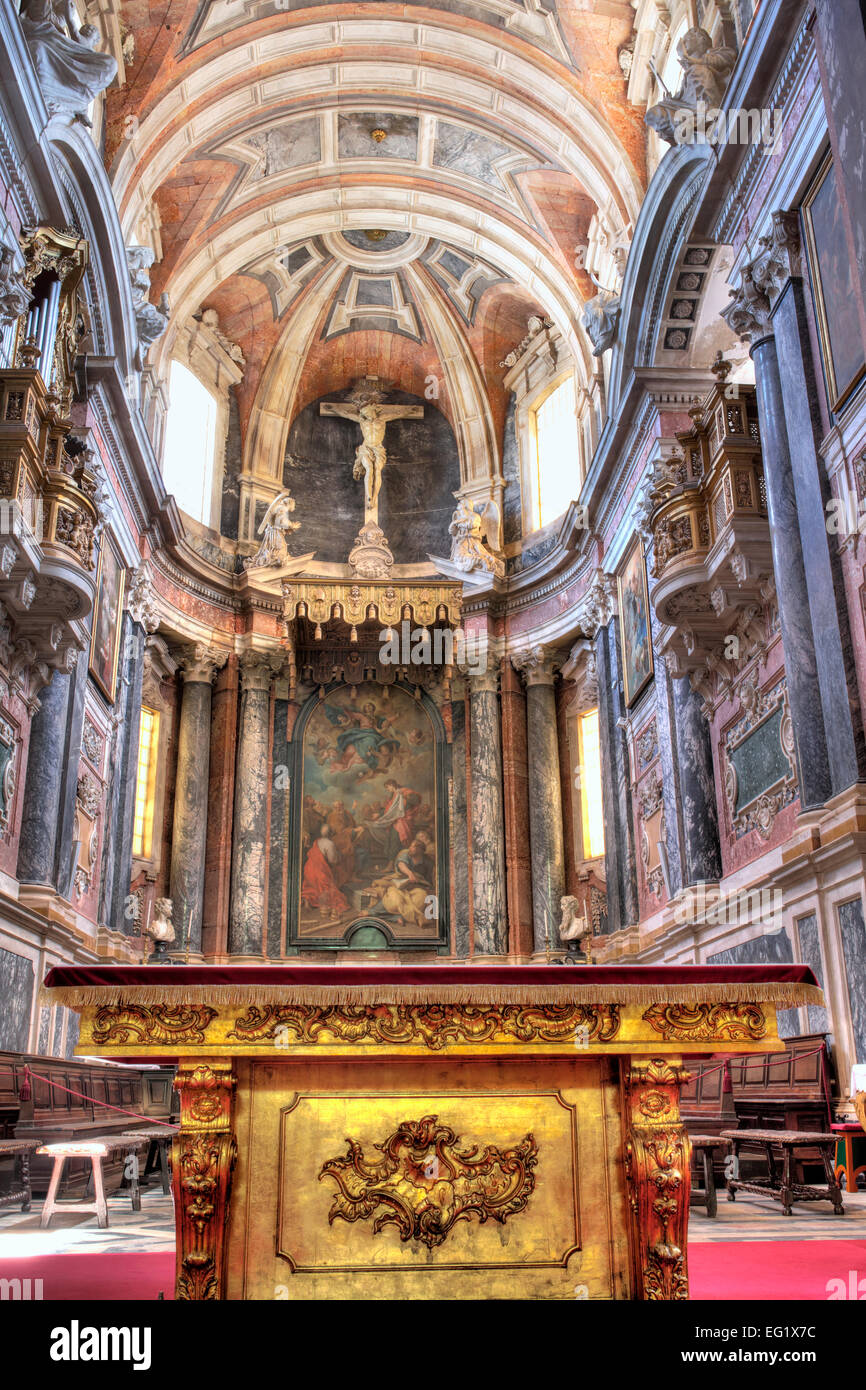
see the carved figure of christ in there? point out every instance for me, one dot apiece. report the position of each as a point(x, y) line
point(370, 456)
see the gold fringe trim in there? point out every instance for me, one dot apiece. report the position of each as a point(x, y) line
point(784, 995)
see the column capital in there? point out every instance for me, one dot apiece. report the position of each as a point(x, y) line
point(481, 682)
point(538, 665)
point(200, 662)
point(257, 670)
point(779, 259)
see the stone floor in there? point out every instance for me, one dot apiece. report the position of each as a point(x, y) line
point(152, 1229)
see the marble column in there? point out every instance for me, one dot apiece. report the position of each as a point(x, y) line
point(123, 766)
point(749, 314)
point(620, 857)
point(249, 837)
point(538, 668)
point(37, 846)
point(515, 795)
point(198, 666)
point(488, 824)
point(698, 812)
point(459, 821)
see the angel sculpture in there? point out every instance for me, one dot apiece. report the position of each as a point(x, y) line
point(275, 525)
point(70, 70)
point(707, 71)
point(469, 531)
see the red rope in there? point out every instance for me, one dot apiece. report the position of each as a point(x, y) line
point(773, 1056)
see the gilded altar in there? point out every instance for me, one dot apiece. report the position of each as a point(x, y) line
point(434, 1132)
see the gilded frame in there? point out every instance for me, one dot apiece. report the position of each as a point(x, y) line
point(105, 674)
point(838, 392)
point(634, 565)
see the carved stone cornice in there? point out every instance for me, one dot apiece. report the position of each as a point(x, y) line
point(538, 665)
point(200, 663)
point(750, 312)
point(598, 605)
point(581, 668)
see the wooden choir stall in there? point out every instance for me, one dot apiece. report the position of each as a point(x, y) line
point(453, 1131)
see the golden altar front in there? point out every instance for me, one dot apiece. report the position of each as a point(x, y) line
point(433, 1132)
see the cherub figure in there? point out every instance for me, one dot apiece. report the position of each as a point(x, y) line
point(707, 71)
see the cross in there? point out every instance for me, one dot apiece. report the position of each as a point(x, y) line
point(365, 407)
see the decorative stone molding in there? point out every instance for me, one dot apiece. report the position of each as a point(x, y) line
point(581, 668)
point(598, 605)
point(535, 326)
point(9, 744)
point(141, 600)
point(258, 669)
point(537, 665)
point(749, 313)
point(481, 682)
point(761, 706)
point(14, 296)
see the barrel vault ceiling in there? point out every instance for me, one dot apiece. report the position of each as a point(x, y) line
point(388, 189)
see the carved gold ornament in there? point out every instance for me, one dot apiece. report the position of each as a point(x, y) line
point(703, 1022)
point(423, 1184)
point(157, 1023)
point(433, 1025)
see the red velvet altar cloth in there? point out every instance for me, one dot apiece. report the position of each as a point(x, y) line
point(783, 985)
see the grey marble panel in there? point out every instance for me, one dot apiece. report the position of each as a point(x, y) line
point(488, 826)
point(619, 835)
point(759, 761)
point(16, 994)
point(697, 801)
point(668, 758)
point(354, 140)
point(231, 498)
point(288, 146)
point(73, 1028)
point(120, 802)
point(44, 1030)
point(834, 651)
point(810, 954)
point(807, 715)
point(771, 949)
point(361, 242)
point(37, 846)
point(512, 519)
point(469, 152)
point(853, 929)
point(416, 502)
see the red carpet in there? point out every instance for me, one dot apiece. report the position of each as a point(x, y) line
point(96, 1277)
point(749, 1270)
point(741, 1271)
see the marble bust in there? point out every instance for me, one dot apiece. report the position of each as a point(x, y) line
point(71, 72)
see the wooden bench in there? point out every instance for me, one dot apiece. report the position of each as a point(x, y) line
point(158, 1139)
point(703, 1148)
point(785, 1189)
point(93, 1150)
point(19, 1150)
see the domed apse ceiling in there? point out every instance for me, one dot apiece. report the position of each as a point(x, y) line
point(375, 189)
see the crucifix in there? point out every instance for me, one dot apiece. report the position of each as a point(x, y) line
point(365, 406)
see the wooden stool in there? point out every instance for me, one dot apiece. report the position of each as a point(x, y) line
point(703, 1146)
point(96, 1150)
point(850, 1146)
point(19, 1150)
point(785, 1189)
point(158, 1139)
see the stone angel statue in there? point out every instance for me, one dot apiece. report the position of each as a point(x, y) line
point(70, 71)
point(275, 525)
point(470, 530)
point(707, 71)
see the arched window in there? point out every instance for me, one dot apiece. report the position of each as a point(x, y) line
point(190, 436)
point(556, 470)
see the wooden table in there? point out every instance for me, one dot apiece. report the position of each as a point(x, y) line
point(703, 1147)
point(19, 1150)
point(96, 1150)
point(430, 1132)
point(785, 1189)
point(851, 1140)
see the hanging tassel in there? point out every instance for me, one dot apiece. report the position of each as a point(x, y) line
point(727, 1082)
point(26, 1092)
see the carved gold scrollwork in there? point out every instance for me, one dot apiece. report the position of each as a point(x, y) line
point(657, 1158)
point(433, 1025)
point(156, 1023)
point(419, 1181)
point(703, 1022)
point(203, 1159)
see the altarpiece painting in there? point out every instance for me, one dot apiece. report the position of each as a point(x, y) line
point(368, 835)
